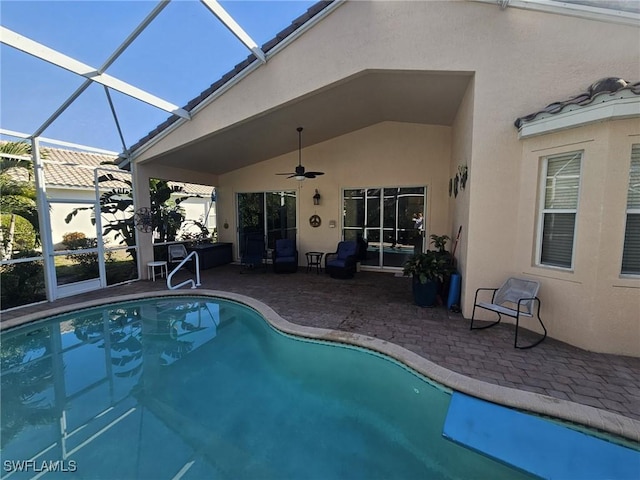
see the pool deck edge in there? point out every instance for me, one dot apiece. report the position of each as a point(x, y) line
point(591, 417)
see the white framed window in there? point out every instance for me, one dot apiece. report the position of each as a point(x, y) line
point(631, 248)
point(559, 194)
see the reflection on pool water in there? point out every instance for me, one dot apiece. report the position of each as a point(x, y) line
point(193, 387)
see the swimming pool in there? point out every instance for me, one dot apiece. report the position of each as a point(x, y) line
point(220, 386)
point(205, 388)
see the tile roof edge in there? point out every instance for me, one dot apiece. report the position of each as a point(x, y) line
point(605, 89)
point(296, 24)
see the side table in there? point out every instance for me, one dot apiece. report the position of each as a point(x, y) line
point(314, 259)
point(151, 266)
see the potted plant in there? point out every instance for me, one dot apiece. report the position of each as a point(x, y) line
point(440, 242)
point(428, 271)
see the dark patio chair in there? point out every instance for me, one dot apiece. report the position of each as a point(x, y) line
point(342, 263)
point(253, 255)
point(516, 298)
point(285, 256)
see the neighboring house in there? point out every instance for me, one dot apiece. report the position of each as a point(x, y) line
point(397, 100)
point(70, 184)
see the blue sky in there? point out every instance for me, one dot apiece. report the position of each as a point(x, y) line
point(182, 52)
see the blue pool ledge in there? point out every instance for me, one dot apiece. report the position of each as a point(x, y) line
point(536, 445)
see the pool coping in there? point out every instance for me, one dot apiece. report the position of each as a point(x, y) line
point(598, 419)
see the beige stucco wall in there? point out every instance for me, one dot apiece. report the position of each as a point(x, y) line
point(389, 153)
point(461, 148)
point(522, 60)
point(592, 305)
point(58, 212)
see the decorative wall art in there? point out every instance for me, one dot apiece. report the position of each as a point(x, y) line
point(143, 219)
point(315, 221)
point(459, 181)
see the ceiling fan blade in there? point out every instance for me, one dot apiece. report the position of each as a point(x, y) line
point(315, 174)
point(289, 173)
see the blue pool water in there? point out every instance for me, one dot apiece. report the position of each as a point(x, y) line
point(203, 388)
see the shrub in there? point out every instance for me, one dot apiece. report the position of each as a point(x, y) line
point(24, 237)
point(22, 283)
point(77, 240)
point(88, 262)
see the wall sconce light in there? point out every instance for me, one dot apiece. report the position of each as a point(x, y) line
point(316, 198)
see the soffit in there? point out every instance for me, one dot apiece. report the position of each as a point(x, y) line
point(351, 104)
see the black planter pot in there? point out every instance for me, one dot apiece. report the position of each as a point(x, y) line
point(425, 294)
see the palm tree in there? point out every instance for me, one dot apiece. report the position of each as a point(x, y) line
point(18, 192)
point(18, 149)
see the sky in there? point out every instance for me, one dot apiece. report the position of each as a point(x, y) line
point(180, 54)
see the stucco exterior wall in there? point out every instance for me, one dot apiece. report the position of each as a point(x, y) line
point(58, 211)
point(592, 305)
point(390, 154)
point(522, 60)
point(461, 147)
point(537, 59)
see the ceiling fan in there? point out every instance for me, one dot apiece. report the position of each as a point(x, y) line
point(300, 174)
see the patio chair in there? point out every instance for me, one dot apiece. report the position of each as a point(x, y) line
point(285, 256)
point(253, 254)
point(176, 254)
point(342, 262)
point(515, 298)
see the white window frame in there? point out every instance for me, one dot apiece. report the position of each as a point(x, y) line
point(542, 211)
point(629, 211)
point(265, 225)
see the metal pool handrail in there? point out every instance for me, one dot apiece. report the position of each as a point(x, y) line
point(195, 284)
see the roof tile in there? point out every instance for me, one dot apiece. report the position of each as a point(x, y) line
point(75, 169)
point(603, 90)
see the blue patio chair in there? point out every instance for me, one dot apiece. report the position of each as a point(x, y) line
point(285, 256)
point(342, 263)
point(254, 251)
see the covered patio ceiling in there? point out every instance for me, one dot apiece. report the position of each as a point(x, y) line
point(355, 102)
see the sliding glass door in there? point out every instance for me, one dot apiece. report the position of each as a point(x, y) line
point(390, 219)
point(250, 217)
point(270, 214)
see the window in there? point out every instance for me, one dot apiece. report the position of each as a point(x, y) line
point(387, 218)
point(631, 249)
point(560, 190)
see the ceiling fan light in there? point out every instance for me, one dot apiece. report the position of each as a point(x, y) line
point(300, 177)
